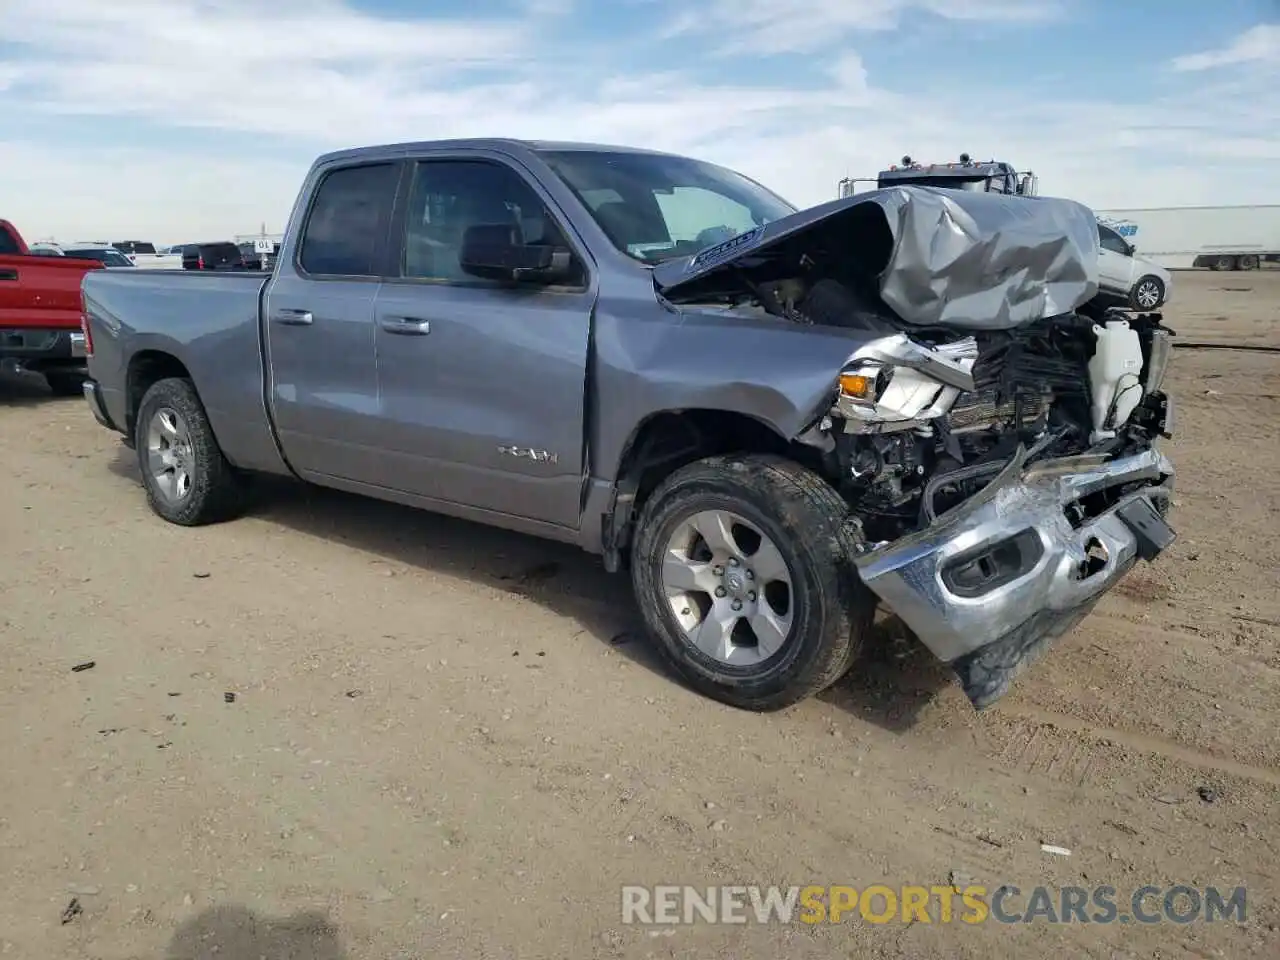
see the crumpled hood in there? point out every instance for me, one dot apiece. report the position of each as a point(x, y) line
point(979, 261)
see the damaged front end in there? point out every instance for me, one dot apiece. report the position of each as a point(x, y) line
point(997, 447)
point(1000, 509)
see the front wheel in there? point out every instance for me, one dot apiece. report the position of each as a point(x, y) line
point(188, 480)
point(1148, 293)
point(743, 569)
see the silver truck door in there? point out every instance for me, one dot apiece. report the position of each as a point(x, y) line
point(321, 370)
point(481, 383)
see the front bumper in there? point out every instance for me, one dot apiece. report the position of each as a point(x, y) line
point(993, 581)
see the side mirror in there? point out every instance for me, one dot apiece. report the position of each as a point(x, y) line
point(495, 251)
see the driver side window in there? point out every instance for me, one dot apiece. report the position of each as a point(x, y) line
point(448, 197)
point(1110, 240)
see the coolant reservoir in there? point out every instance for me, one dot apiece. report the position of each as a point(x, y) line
point(1115, 377)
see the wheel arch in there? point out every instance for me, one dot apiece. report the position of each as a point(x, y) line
point(147, 367)
point(665, 441)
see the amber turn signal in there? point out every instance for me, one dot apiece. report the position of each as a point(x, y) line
point(858, 387)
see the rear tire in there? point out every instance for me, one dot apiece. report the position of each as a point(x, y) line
point(65, 383)
point(770, 501)
point(1223, 263)
point(1249, 261)
point(188, 480)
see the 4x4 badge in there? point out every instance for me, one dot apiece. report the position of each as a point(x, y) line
point(528, 453)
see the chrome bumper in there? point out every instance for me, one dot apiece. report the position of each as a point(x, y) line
point(1008, 566)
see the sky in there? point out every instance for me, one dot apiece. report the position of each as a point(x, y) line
point(183, 120)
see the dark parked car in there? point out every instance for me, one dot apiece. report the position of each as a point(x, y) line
point(107, 256)
point(223, 255)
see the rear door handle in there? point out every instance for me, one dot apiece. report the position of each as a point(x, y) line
point(406, 326)
point(293, 318)
point(8, 274)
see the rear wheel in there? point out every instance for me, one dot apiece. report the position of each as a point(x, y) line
point(743, 569)
point(1224, 263)
point(1249, 262)
point(1147, 294)
point(187, 478)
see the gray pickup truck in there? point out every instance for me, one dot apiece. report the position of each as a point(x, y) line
point(777, 420)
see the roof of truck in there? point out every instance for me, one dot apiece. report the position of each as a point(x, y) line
point(508, 145)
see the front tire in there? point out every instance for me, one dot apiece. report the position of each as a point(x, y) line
point(743, 570)
point(1147, 293)
point(188, 480)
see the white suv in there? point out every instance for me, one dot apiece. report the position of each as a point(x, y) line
point(1125, 277)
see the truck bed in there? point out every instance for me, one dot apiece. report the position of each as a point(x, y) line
point(210, 322)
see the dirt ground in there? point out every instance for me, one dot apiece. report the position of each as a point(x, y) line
point(447, 741)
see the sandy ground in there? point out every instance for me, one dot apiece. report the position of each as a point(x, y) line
point(447, 741)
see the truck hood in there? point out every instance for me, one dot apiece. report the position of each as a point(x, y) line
point(977, 261)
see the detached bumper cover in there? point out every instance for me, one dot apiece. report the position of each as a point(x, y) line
point(992, 582)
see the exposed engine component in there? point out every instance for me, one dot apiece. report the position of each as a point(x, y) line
point(922, 426)
point(987, 409)
point(921, 421)
point(1115, 372)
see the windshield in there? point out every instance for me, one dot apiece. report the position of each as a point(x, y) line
point(109, 258)
point(656, 207)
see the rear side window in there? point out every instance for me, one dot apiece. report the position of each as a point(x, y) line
point(347, 226)
point(7, 243)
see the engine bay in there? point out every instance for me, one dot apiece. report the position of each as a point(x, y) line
point(1036, 389)
point(935, 414)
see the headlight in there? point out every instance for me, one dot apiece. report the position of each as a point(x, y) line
point(893, 383)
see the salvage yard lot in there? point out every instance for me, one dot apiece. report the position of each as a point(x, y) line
point(342, 729)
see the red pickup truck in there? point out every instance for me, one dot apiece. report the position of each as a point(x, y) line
point(40, 310)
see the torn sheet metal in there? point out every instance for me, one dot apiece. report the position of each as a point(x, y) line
point(977, 261)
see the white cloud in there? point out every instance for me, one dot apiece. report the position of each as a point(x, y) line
point(302, 76)
point(1260, 44)
point(798, 26)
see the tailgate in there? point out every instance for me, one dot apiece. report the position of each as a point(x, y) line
point(41, 292)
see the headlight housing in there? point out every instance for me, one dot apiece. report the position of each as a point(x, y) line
point(893, 383)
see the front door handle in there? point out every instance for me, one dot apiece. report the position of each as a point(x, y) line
point(406, 326)
point(8, 274)
point(293, 318)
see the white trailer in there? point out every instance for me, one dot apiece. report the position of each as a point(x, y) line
point(1220, 238)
